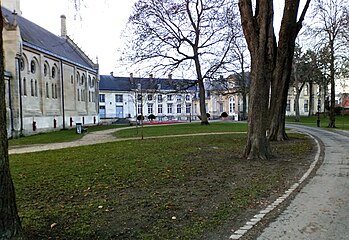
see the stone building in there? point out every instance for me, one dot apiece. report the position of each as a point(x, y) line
point(50, 82)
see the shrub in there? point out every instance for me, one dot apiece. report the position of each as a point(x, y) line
point(151, 117)
point(140, 117)
point(224, 114)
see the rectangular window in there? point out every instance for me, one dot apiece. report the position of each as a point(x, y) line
point(221, 108)
point(47, 91)
point(288, 106)
point(306, 106)
point(139, 97)
point(36, 88)
point(187, 97)
point(118, 98)
point(150, 97)
point(150, 108)
point(179, 108)
point(169, 97)
point(179, 98)
point(169, 107)
point(139, 108)
point(188, 108)
point(160, 109)
point(101, 97)
point(24, 87)
point(159, 98)
point(32, 88)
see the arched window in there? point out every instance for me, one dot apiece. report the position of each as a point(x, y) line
point(32, 66)
point(46, 69)
point(83, 78)
point(78, 78)
point(53, 72)
point(22, 64)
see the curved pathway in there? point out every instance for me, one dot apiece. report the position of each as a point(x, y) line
point(321, 209)
point(97, 137)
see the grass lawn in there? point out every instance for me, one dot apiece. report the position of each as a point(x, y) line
point(178, 129)
point(171, 188)
point(57, 136)
point(342, 122)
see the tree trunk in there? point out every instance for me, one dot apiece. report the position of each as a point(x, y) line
point(259, 33)
point(10, 225)
point(282, 72)
point(296, 104)
point(332, 119)
point(204, 120)
point(311, 99)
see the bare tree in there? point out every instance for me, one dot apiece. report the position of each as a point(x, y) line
point(180, 36)
point(330, 27)
point(271, 65)
point(305, 72)
point(10, 224)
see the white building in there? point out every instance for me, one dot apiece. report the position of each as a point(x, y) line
point(129, 97)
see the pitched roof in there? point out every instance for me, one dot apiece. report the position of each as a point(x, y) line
point(112, 83)
point(41, 39)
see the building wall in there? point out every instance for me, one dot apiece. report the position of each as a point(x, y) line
point(41, 92)
point(150, 104)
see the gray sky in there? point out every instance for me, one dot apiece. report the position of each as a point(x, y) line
point(96, 28)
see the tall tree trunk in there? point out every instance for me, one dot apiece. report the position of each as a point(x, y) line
point(204, 120)
point(282, 72)
point(296, 105)
point(332, 119)
point(259, 33)
point(311, 99)
point(10, 225)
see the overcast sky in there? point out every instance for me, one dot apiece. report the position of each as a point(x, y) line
point(96, 28)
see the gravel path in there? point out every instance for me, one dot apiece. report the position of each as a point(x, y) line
point(321, 209)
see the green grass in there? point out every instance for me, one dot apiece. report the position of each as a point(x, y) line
point(178, 129)
point(171, 188)
point(43, 138)
point(342, 122)
point(57, 136)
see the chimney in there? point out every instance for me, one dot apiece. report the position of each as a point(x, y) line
point(14, 14)
point(112, 74)
point(131, 76)
point(151, 76)
point(63, 26)
point(170, 76)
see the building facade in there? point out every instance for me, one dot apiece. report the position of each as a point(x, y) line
point(128, 97)
point(50, 83)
